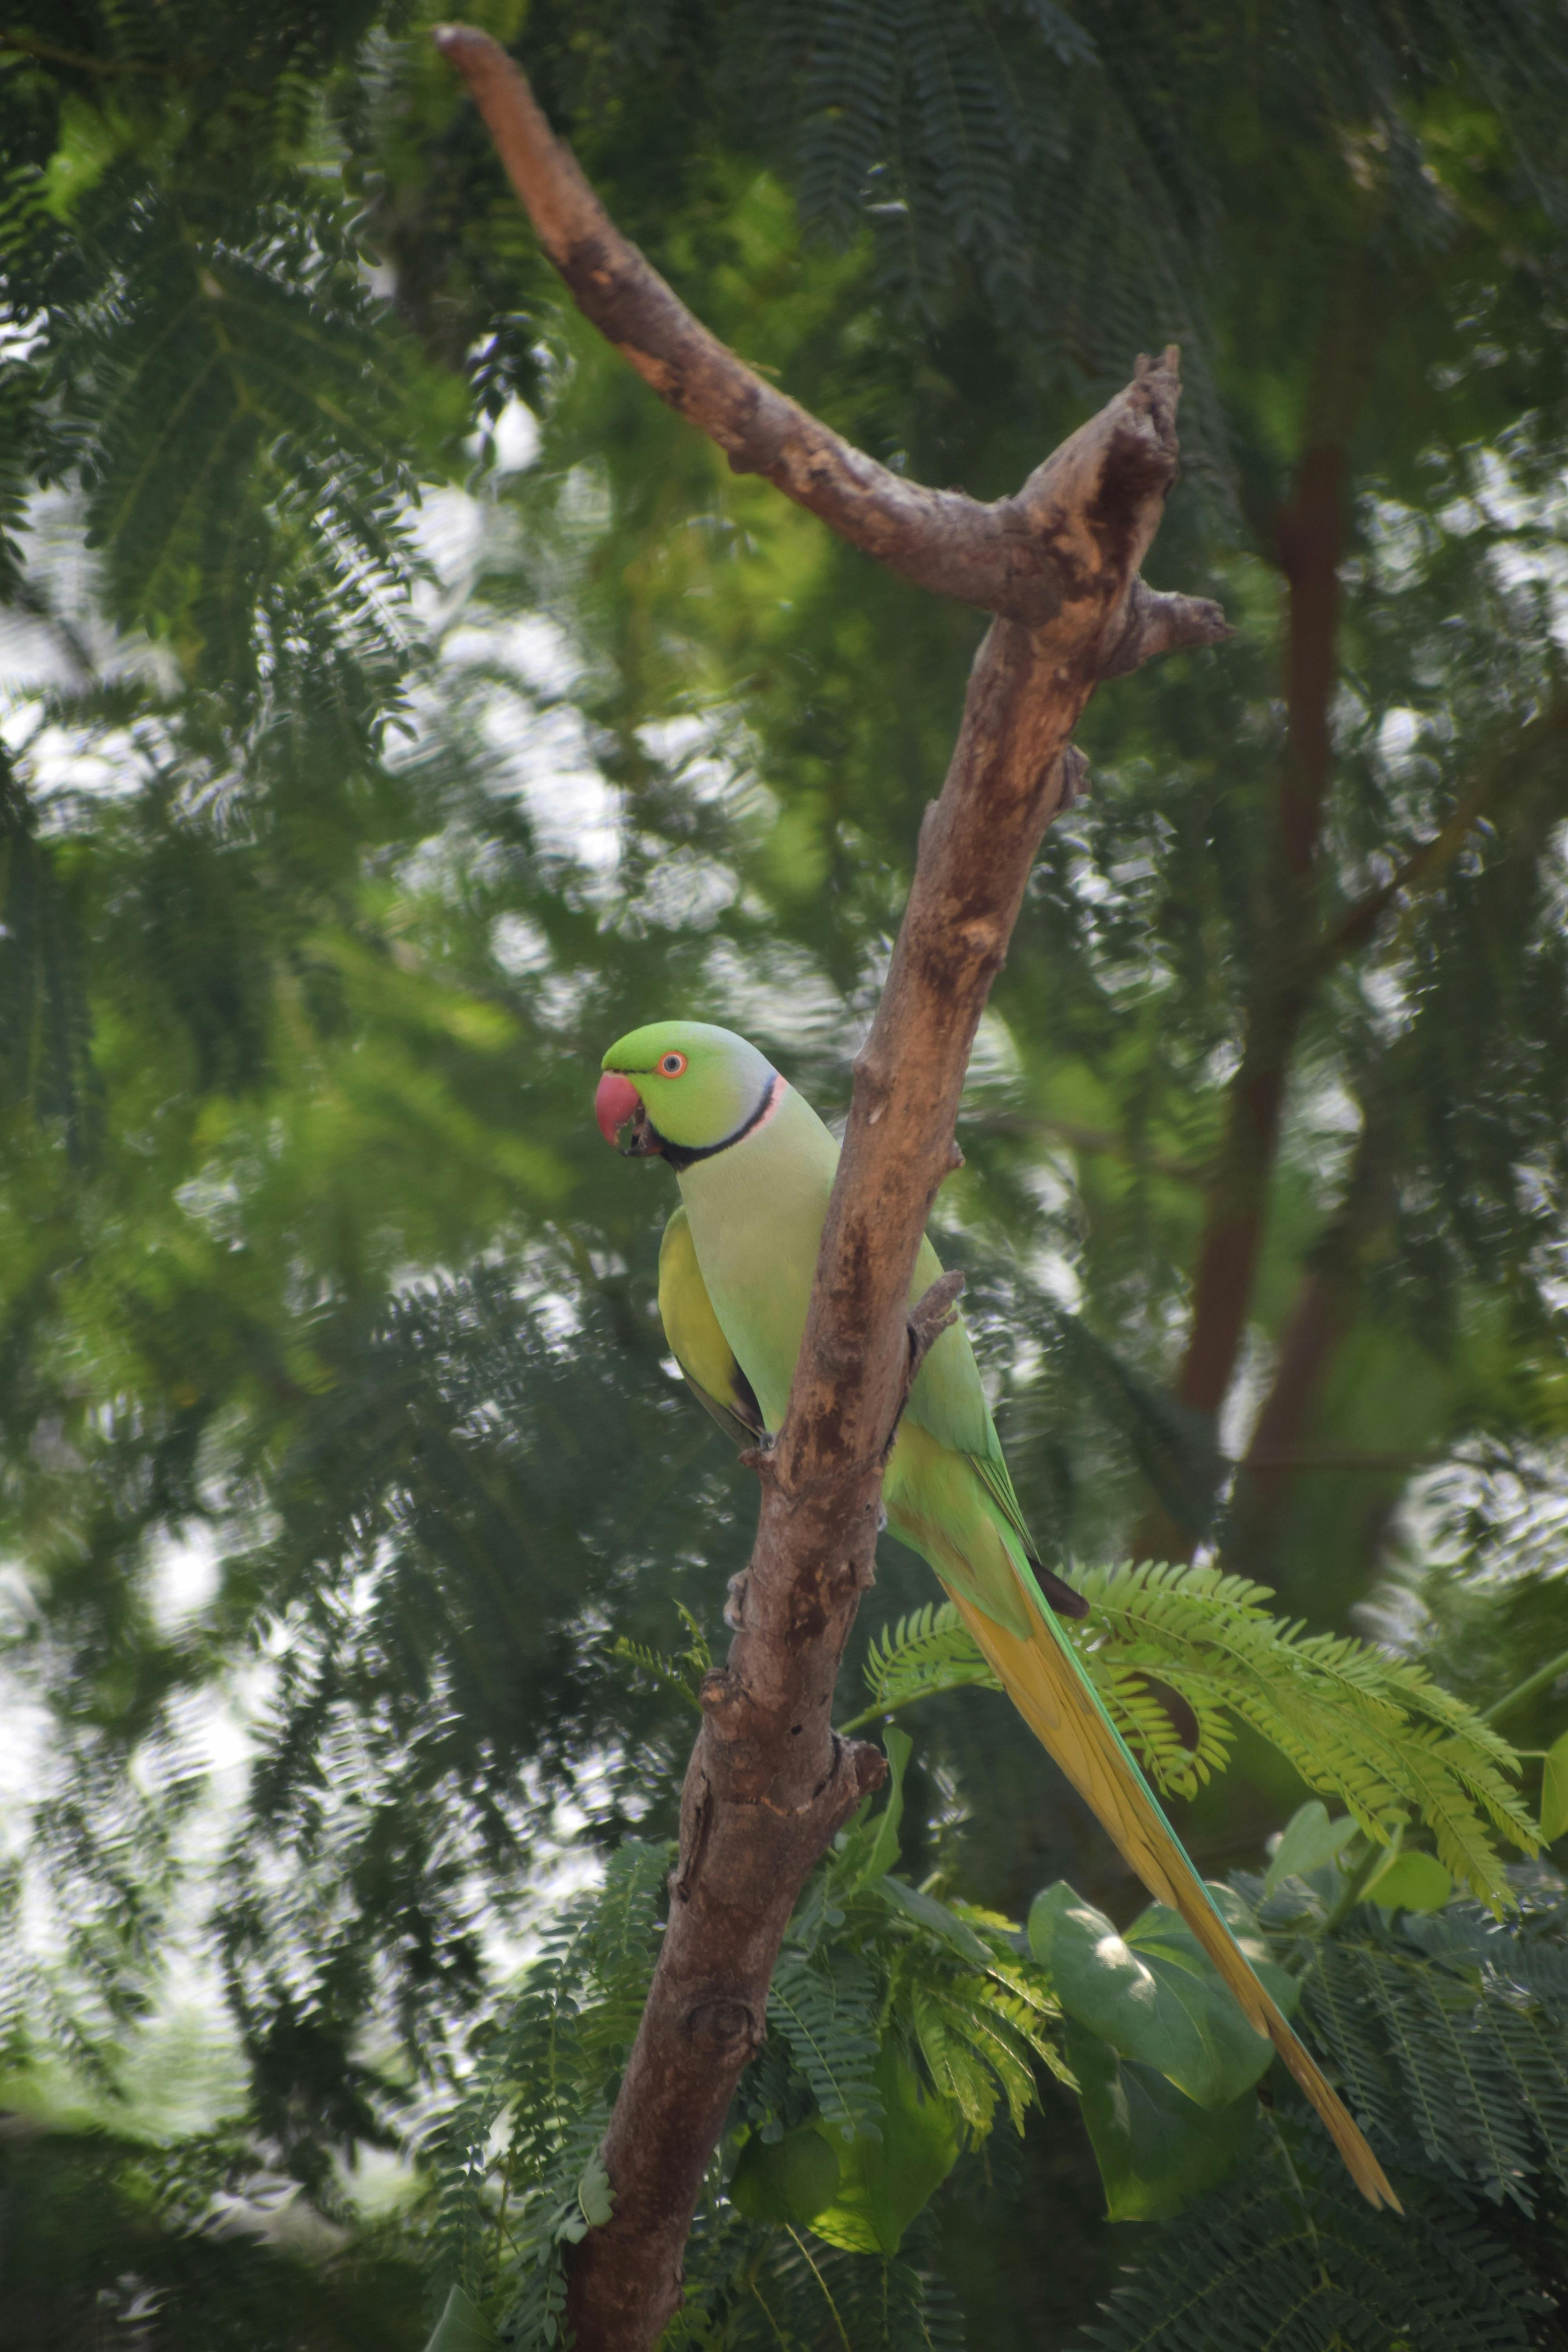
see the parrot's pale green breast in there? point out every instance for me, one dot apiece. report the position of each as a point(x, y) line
point(756, 1214)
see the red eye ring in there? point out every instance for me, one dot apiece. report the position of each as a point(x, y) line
point(670, 1066)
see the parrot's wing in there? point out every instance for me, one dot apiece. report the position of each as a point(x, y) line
point(949, 1401)
point(696, 1343)
point(991, 1469)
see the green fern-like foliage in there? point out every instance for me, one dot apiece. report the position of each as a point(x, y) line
point(1372, 1730)
point(981, 2037)
point(748, 2294)
point(926, 1652)
point(1059, 156)
point(828, 2014)
point(1299, 2262)
point(206, 371)
point(874, 1973)
point(552, 2068)
point(1451, 2035)
point(1447, 2031)
point(949, 1980)
point(247, 368)
point(680, 1672)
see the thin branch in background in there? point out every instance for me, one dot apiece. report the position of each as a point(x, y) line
point(1509, 764)
point(1310, 534)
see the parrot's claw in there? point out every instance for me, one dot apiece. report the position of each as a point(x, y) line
point(734, 1608)
point(759, 1456)
point(881, 1518)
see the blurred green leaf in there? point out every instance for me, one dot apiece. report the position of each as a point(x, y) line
point(593, 2193)
point(1410, 1882)
point(1554, 1790)
point(1308, 1842)
point(1155, 2148)
point(787, 2181)
point(884, 2183)
point(462, 2328)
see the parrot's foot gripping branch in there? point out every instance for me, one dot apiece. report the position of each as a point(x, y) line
point(935, 1312)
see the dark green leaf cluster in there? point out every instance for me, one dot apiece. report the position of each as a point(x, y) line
point(865, 1950)
point(1060, 179)
point(750, 2292)
point(1450, 2034)
point(45, 1022)
point(1284, 2258)
point(203, 371)
point(458, 1638)
point(896, 2021)
point(549, 2069)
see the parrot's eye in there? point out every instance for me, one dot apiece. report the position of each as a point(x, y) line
point(672, 1064)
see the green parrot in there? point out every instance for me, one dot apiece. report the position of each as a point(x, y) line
point(755, 1167)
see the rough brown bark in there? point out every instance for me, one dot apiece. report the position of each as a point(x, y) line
point(769, 1782)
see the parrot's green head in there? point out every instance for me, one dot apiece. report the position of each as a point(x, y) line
point(683, 1089)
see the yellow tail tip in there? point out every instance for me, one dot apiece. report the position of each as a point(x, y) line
point(1048, 1687)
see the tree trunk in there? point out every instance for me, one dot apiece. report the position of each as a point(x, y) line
point(1309, 544)
point(1324, 1311)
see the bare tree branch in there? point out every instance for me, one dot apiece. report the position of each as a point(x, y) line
point(1017, 557)
point(769, 1782)
point(1156, 622)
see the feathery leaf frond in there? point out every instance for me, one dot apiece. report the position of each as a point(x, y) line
point(1370, 1728)
point(1296, 2263)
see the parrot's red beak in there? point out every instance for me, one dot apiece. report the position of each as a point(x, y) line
point(615, 1106)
